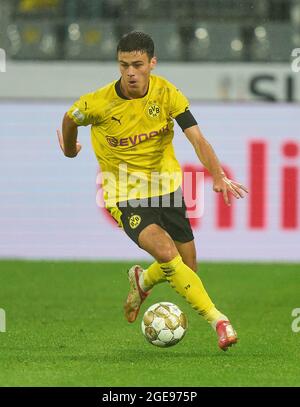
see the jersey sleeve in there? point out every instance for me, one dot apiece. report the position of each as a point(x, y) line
point(83, 111)
point(178, 102)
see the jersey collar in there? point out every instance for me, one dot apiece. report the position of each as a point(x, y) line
point(120, 93)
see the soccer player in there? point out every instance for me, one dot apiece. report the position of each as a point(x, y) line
point(132, 130)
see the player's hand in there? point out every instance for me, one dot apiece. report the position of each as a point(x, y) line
point(225, 185)
point(61, 143)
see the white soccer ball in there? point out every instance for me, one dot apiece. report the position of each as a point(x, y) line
point(164, 324)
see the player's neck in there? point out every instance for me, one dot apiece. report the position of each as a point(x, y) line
point(139, 93)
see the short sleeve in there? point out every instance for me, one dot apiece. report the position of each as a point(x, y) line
point(83, 111)
point(178, 102)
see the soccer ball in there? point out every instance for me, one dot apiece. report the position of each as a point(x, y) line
point(164, 324)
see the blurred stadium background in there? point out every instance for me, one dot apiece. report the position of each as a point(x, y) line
point(191, 30)
point(238, 63)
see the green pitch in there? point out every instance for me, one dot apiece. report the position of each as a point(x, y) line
point(65, 327)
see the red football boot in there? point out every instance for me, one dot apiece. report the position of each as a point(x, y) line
point(227, 335)
point(136, 295)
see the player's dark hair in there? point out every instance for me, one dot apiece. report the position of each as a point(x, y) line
point(136, 41)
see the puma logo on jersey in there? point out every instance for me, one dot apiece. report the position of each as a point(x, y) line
point(117, 120)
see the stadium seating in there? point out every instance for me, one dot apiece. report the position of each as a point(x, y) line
point(84, 9)
point(216, 42)
point(32, 39)
point(166, 37)
point(273, 42)
point(91, 40)
point(190, 30)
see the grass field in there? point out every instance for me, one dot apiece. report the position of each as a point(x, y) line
point(65, 327)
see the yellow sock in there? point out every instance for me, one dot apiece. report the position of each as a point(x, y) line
point(153, 275)
point(188, 284)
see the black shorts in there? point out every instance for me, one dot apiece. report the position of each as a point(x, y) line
point(167, 211)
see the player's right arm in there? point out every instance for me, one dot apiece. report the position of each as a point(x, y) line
point(81, 113)
point(68, 138)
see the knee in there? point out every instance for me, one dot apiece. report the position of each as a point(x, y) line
point(166, 252)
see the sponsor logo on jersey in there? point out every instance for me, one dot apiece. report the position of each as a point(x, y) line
point(112, 141)
point(136, 139)
point(134, 221)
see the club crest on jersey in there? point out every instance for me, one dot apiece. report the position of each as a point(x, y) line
point(134, 221)
point(153, 110)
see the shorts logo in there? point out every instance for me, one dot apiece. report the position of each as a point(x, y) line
point(153, 110)
point(112, 141)
point(134, 221)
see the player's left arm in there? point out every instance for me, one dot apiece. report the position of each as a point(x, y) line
point(209, 159)
point(179, 110)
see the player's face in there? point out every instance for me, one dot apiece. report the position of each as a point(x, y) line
point(135, 68)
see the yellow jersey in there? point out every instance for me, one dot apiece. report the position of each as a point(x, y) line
point(132, 139)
